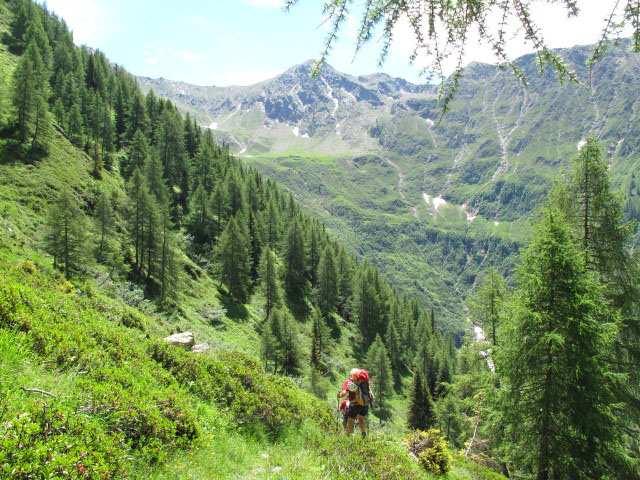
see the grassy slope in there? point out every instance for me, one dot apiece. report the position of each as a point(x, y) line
point(46, 357)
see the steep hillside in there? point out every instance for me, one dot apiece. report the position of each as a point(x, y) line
point(433, 203)
point(122, 223)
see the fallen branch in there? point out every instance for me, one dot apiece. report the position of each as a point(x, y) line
point(466, 454)
point(37, 390)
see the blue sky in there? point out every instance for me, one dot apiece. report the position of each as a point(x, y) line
point(240, 42)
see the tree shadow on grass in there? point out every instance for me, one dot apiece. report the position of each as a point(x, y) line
point(235, 310)
point(298, 306)
point(334, 327)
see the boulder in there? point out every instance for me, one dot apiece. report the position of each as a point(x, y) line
point(201, 347)
point(185, 339)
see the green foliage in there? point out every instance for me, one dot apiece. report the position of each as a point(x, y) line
point(327, 281)
point(131, 386)
point(178, 177)
point(66, 236)
point(466, 469)
point(379, 367)
point(431, 450)
point(30, 94)
point(379, 457)
point(420, 414)
point(233, 255)
point(486, 304)
point(558, 391)
point(46, 439)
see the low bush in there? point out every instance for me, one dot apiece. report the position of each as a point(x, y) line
point(375, 457)
point(431, 450)
point(135, 394)
point(48, 440)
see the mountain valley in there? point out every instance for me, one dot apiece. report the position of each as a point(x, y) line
point(432, 201)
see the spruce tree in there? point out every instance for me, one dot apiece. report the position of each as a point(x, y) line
point(154, 176)
point(289, 346)
point(558, 401)
point(294, 259)
point(327, 287)
point(169, 265)
point(255, 244)
point(595, 214)
point(30, 95)
point(233, 258)
point(104, 221)
point(75, 125)
point(379, 368)
point(345, 281)
point(235, 192)
point(367, 304)
point(394, 349)
point(486, 303)
point(65, 237)
point(270, 283)
point(152, 237)
point(272, 224)
point(24, 15)
point(270, 337)
point(420, 415)
point(139, 201)
point(203, 162)
point(218, 206)
point(138, 154)
point(314, 255)
point(199, 216)
point(317, 341)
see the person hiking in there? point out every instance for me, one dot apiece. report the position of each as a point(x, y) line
point(359, 400)
point(344, 408)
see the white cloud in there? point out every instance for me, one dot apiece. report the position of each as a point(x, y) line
point(557, 30)
point(189, 57)
point(153, 61)
point(246, 77)
point(265, 3)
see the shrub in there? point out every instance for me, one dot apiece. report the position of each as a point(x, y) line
point(65, 286)
point(132, 392)
point(132, 319)
point(88, 290)
point(376, 457)
point(28, 267)
point(431, 450)
point(47, 440)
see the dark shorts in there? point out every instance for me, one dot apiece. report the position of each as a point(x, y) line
point(355, 410)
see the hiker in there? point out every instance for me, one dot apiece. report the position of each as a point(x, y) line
point(357, 387)
point(344, 408)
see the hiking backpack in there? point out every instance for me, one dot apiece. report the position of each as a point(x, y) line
point(363, 394)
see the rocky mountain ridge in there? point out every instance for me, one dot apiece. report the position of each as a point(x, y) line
point(431, 203)
point(294, 102)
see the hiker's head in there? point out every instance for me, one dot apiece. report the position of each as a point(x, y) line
point(354, 372)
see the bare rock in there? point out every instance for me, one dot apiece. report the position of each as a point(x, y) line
point(185, 340)
point(201, 347)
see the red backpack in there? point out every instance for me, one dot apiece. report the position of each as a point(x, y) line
point(363, 394)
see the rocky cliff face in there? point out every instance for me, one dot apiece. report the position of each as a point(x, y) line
point(295, 105)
